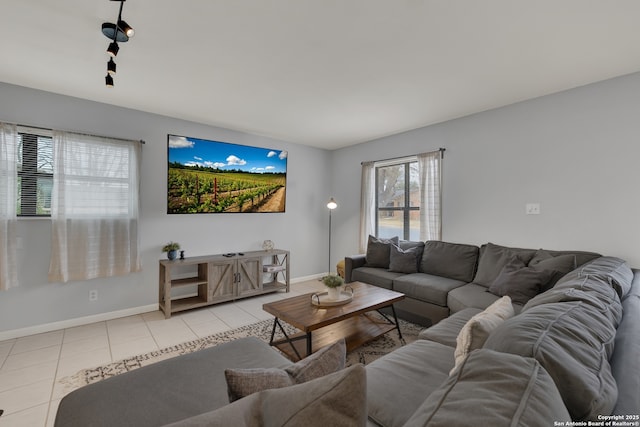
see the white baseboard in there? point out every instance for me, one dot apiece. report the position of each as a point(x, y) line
point(78, 321)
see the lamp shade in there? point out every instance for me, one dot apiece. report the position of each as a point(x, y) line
point(332, 204)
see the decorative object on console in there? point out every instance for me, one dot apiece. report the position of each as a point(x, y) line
point(171, 249)
point(267, 245)
point(218, 177)
point(118, 32)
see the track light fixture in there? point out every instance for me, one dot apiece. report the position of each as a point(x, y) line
point(120, 32)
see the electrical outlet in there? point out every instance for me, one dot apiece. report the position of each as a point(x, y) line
point(532, 208)
point(93, 295)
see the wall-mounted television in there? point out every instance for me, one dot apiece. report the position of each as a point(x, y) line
point(219, 177)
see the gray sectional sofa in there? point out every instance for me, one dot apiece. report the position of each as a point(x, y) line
point(571, 353)
point(445, 278)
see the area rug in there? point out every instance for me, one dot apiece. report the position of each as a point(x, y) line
point(262, 330)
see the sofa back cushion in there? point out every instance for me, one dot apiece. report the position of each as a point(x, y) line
point(570, 330)
point(452, 260)
point(493, 258)
point(493, 389)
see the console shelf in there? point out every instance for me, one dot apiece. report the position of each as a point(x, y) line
point(219, 278)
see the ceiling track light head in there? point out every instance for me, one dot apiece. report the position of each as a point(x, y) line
point(126, 28)
point(113, 49)
point(108, 80)
point(111, 67)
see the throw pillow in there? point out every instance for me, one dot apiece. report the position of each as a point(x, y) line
point(561, 265)
point(378, 251)
point(519, 282)
point(404, 261)
point(493, 258)
point(476, 331)
point(243, 382)
point(338, 399)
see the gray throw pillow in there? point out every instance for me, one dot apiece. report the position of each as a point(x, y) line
point(561, 265)
point(243, 382)
point(493, 258)
point(404, 261)
point(378, 251)
point(519, 282)
point(338, 399)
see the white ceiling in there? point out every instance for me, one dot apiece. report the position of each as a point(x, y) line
point(324, 73)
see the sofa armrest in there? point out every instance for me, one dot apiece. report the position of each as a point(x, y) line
point(351, 262)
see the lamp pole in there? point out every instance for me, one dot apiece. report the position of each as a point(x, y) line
point(331, 205)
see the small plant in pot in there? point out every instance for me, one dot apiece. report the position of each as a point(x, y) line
point(171, 249)
point(333, 282)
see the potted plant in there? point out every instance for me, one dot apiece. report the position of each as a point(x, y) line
point(333, 282)
point(171, 249)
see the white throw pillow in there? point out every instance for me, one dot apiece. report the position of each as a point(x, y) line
point(476, 331)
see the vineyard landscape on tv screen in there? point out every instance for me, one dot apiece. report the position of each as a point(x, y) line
point(218, 177)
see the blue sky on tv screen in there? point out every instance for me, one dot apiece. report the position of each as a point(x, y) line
point(225, 156)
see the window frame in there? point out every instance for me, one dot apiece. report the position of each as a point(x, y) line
point(407, 208)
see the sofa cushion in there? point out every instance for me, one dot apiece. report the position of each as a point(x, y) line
point(243, 382)
point(338, 399)
point(452, 260)
point(472, 295)
point(560, 264)
point(404, 260)
point(131, 399)
point(446, 331)
point(614, 270)
point(400, 381)
point(520, 282)
point(378, 251)
point(375, 276)
point(426, 287)
point(570, 332)
point(475, 332)
point(494, 257)
point(624, 362)
point(493, 389)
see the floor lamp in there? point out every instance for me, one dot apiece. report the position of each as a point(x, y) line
point(331, 205)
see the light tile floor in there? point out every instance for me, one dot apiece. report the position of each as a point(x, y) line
point(31, 366)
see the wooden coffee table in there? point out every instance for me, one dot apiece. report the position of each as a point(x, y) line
point(322, 326)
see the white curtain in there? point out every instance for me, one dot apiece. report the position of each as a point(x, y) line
point(8, 198)
point(430, 169)
point(367, 204)
point(94, 207)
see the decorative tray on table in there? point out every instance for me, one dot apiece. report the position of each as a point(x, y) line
point(321, 299)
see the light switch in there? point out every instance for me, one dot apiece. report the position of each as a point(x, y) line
point(532, 208)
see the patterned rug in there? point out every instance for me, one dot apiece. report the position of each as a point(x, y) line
point(364, 354)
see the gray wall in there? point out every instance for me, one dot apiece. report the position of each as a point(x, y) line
point(301, 229)
point(576, 153)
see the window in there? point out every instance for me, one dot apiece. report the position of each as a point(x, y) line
point(402, 197)
point(398, 200)
point(35, 174)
